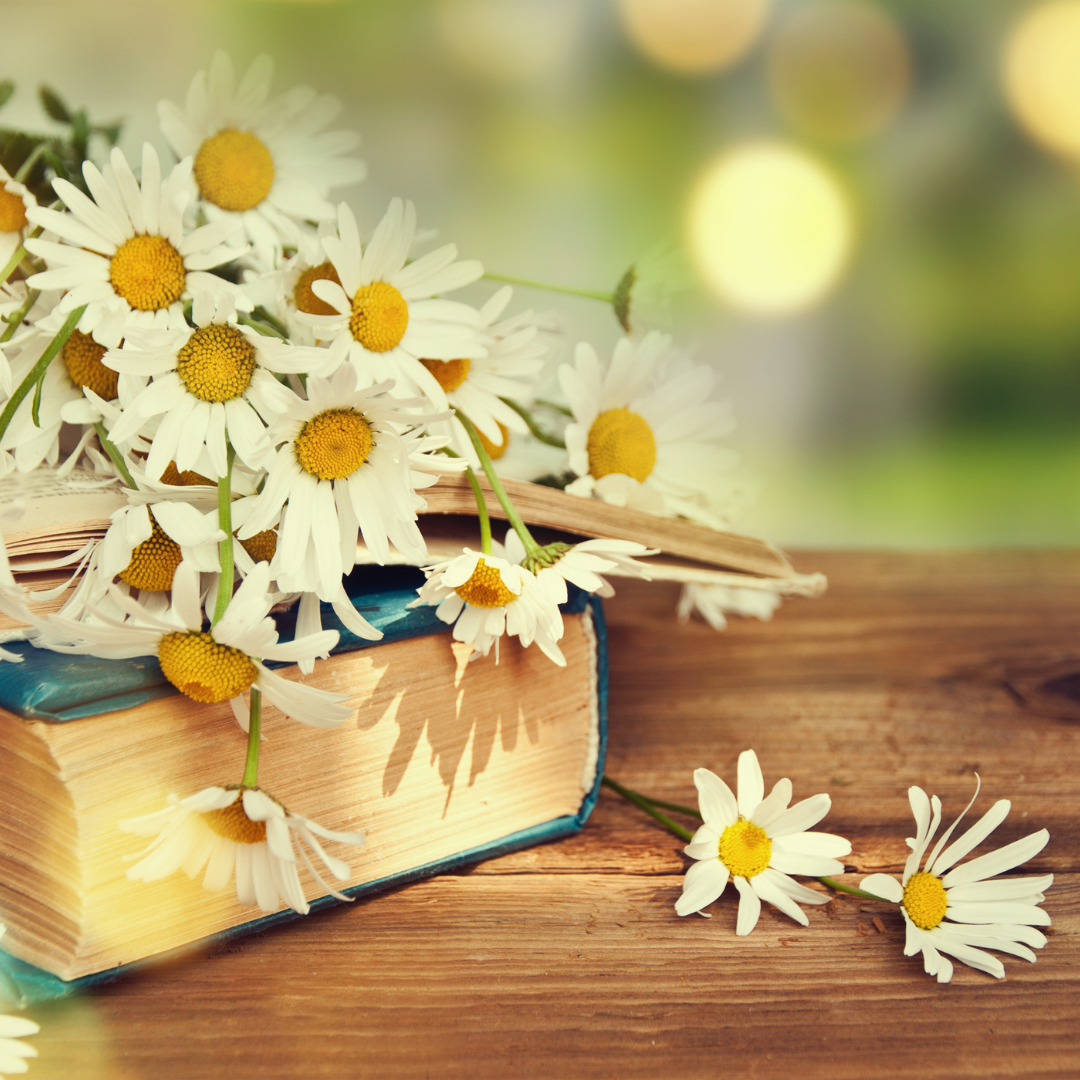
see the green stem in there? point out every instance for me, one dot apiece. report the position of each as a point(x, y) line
point(591, 294)
point(264, 316)
point(39, 369)
point(482, 512)
point(828, 882)
point(527, 540)
point(14, 320)
point(672, 806)
point(263, 328)
point(35, 405)
point(9, 267)
point(537, 431)
point(251, 766)
point(645, 804)
point(31, 160)
point(555, 406)
point(225, 547)
point(114, 455)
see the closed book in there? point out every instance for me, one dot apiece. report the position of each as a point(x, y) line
point(445, 761)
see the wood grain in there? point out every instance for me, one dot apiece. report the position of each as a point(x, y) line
point(568, 960)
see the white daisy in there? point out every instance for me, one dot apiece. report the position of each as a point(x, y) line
point(343, 469)
point(13, 1053)
point(266, 164)
point(515, 353)
point(126, 253)
point(757, 842)
point(645, 430)
point(246, 829)
point(384, 316)
point(215, 665)
point(714, 602)
point(486, 596)
point(15, 200)
point(955, 909)
point(208, 382)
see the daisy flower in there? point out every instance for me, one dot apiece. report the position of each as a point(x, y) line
point(644, 429)
point(384, 318)
point(126, 252)
point(757, 842)
point(265, 164)
point(515, 353)
point(15, 200)
point(243, 829)
point(343, 469)
point(485, 596)
point(958, 910)
point(215, 665)
point(714, 602)
point(210, 382)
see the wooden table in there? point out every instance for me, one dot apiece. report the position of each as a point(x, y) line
point(569, 961)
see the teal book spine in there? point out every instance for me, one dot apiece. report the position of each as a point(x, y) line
point(59, 688)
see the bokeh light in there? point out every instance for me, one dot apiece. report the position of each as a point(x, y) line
point(839, 70)
point(694, 37)
point(769, 228)
point(1042, 74)
point(509, 41)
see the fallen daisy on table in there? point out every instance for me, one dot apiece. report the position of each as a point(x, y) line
point(955, 909)
point(757, 842)
point(243, 829)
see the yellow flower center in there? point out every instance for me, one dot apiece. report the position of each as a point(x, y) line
point(924, 900)
point(334, 444)
point(188, 478)
point(745, 849)
point(379, 316)
point(82, 358)
point(621, 442)
point(153, 562)
point(304, 296)
point(234, 170)
point(449, 374)
point(12, 211)
point(217, 363)
point(202, 668)
point(233, 823)
point(148, 272)
point(485, 588)
point(262, 546)
point(495, 452)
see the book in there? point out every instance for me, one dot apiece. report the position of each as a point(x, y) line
point(446, 762)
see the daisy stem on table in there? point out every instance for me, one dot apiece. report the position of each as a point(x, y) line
point(224, 509)
point(251, 766)
point(829, 883)
point(481, 511)
point(646, 804)
point(591, 294)
point(39, 369)
point(530, 545)
point(114, 455)
point(537, 431)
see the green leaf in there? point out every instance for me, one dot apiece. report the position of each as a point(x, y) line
point(7, 88)
point(109, 131)
point(53, 104)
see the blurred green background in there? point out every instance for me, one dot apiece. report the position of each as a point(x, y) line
point(879, 202)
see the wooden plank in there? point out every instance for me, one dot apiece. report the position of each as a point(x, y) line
point(568, 961)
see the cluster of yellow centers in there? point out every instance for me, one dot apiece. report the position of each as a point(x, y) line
point(745, 849)
point(82, 358)
point(449, 374)
point(485, 588)
point(304, 296)
point(217, 363)
point(153, 562)
point(924, 900)
point(379, 316)
point(334, 444)
point(620, 441)
point(147, 272)
point(12, 211)
point(234, 170)
point(202, 668)
point(232, 823)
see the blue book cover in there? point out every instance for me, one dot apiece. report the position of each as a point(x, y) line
point(58, 688)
